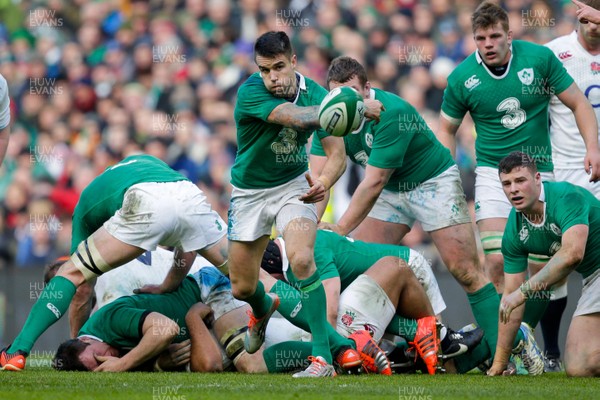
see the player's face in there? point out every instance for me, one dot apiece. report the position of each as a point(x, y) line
point(590, 33)
point(278, 74)
point(493, 44)
point(521, 187)
point(355, 84)
point(95, 349)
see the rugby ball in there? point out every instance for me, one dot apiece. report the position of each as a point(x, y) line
point(342, 111)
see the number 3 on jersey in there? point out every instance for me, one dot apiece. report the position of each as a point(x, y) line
point(514, 114)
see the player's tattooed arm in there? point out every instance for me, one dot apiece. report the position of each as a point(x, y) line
point(295, 117)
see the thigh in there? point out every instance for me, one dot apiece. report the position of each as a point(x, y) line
point(250, 215)
point(377, 231)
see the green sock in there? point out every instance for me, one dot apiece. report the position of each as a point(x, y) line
point(259, 301)
point(51, 305)
point(314, 304)
point(287, 356)
point(535, 307)
point(485, 304)
point(291, 308)
point(405, 327)
point(466, 362)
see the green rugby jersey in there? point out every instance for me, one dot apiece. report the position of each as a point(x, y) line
point(101, 199)
point(566, 205)
point(270, 154)
point(510, 111)
point(120, 323)
point(347, 258)
point(401, 140)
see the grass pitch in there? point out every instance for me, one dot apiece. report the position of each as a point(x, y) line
point(41, 382)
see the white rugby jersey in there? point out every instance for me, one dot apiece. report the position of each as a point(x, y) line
point(568, 148)
point(4, 104)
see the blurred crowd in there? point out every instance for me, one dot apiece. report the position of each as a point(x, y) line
point(93, 81)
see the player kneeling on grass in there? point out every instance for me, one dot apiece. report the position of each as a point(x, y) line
point(561, 221)
point(379, 293)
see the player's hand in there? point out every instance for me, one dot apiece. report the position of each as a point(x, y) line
point(152, 289)
point(586, 13)
point(591, 163)
point(316, 193)
point(373, 109)
point(331, 227)
point(177, 354)
point(109, 364)
point(508, 304)
point(501, 370)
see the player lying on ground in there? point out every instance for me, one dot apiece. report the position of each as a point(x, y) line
point(379, 293)
point(147, 323)
point(131, 208)
point(562, 221)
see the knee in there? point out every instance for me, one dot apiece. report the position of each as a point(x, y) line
point(241, 290)
point(467, 273)
point(587, 365)
point(301, 260)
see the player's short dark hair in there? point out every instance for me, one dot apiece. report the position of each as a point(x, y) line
point(487, 15)
point(342, 69)
point(67, 356)
point(272, 44)
point(271, 261)
point(514, 160)
point(51, 269)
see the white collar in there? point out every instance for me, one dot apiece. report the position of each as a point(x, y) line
point(91, 337)
point(480, 62)
point(301, 86)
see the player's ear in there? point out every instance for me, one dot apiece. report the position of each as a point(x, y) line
point(293, 61)
point(509, 36)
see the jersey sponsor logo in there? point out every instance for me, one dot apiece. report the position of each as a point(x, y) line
point(526, 76)
point(524, 234)
point(369, 139)
point(555, 229)
point(348, 318)
point(593, 98)
point(54, 310)
point(287, 143)
point(555, 247)
point(565, 55)
point(472, 82)
point(362, 158)
point(595, 68)
point(296, 310)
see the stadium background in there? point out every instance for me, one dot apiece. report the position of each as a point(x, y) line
point(92, 81)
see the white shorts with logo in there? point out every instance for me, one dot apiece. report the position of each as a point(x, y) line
point(252, 212)
point(173, 214)
point(490, 200)
point(437, 203)
point(589, 302)
point(577, 176)
point(364, 305)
